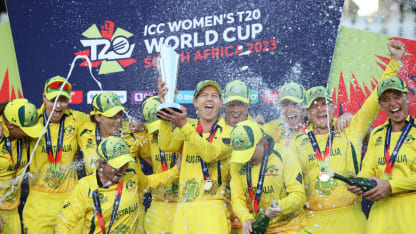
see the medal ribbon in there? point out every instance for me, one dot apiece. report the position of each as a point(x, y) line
point(54, 160)
point(262, 174)
point(115, 207)
point(163, 160)
point(391, 159)
point(315, 145)
point(204, 165)
point(97, 135)
point(19, 152)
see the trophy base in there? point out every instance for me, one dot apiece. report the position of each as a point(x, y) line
point(174, 106)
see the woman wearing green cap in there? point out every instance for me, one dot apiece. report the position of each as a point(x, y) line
point(107, 200)
point(323, 150)
point(159, 216)
point(53, 172)
point(205, 169)
point(390, 161)
point(19, 120)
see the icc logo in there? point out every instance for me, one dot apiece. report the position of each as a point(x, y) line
point(108, 48)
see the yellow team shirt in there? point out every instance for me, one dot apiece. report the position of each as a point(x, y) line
point(80, 205)
point(171, 192)
point(44, 178)
point(280, 132)
point(194, 148)
point(334, 194)
point(283, 182)
point(403, 174)
point(137, 142)
point(9, 185)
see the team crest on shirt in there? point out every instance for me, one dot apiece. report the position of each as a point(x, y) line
point(122, 228)
point(243, 169)
point(272, 171)
point(304, 142)
point(131, 185)
point(379, 141)
point(103, 199)
point(69, 130)
point(54, 176)
point(325, 188)
point(409, 140)
point(191, 190)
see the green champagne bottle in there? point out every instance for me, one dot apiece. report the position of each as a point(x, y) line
point(364, 184)
point(262, 222)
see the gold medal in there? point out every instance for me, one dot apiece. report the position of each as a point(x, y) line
point(207, 185)
point(324, 176)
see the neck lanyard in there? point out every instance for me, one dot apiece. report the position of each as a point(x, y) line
point(319, 157)
point(97, 135)
point(19, 152)
point(391, 159)
point(302, 128)
point(262, 174)
point(163, 160)
point(115, 207)
point(54, 160)
point(204, 165)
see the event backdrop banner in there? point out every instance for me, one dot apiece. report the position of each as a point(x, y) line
point(10, 87)
point(359, 60)
point(264, 43)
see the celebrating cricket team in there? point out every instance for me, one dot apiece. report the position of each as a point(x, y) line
point(223, 172)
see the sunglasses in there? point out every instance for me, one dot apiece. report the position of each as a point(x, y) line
point(58, 84)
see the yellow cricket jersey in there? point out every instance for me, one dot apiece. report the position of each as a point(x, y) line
point(279, 131)
point(194, 148)
point(283, 182)
point(80, 205)
point(137, 142)
point(44, 177)
point(171, 192)
point(9, 186)
point(403, 174)
point(334, 194)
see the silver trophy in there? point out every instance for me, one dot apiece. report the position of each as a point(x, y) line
point(168, 69)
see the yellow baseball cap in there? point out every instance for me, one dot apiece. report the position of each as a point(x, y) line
point(244, 138)
point(149, 110)
point(236, 90)
point(316, 92)
point(23, 114)
point(53, 85)
point(205, 83)
point(107, 104)
point(292, 91)
point(114, 151)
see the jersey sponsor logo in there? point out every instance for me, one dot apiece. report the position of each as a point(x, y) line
point(379, 141)
point(272, 171)
point(65, 148)
point(243, 169)
point(401, 158)
point(304, 142)
point(131, 185)
point(66, 205)
point(122, 228)
point(127, 211)
point(90, 144)
point(193, 159)
point(108, 48)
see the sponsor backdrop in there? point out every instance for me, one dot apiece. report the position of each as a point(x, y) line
point(264, 43)
point(359, 60)
point(10, 87)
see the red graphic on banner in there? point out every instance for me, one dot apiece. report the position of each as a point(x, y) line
point(5, 93)
point(357, 95)
point(76, 97)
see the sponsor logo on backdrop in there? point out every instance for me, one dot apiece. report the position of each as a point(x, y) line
point(76, 97)
point(184, 96)
point(254, 96)
point(122, 95)
point(108, 48)
point(270, 96)
point(137, 97)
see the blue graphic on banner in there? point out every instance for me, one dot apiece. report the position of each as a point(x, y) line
point(263, 43)
point(184, 97)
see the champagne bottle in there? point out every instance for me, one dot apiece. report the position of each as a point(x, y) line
point(364, 184)
point(262, 222)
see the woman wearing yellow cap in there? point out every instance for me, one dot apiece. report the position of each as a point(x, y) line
point(107, 200)
point(53, 172)
point(19, 120)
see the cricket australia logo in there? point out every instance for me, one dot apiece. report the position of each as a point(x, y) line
point(108, 48)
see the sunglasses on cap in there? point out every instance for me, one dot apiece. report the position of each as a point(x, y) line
point(58, 84)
